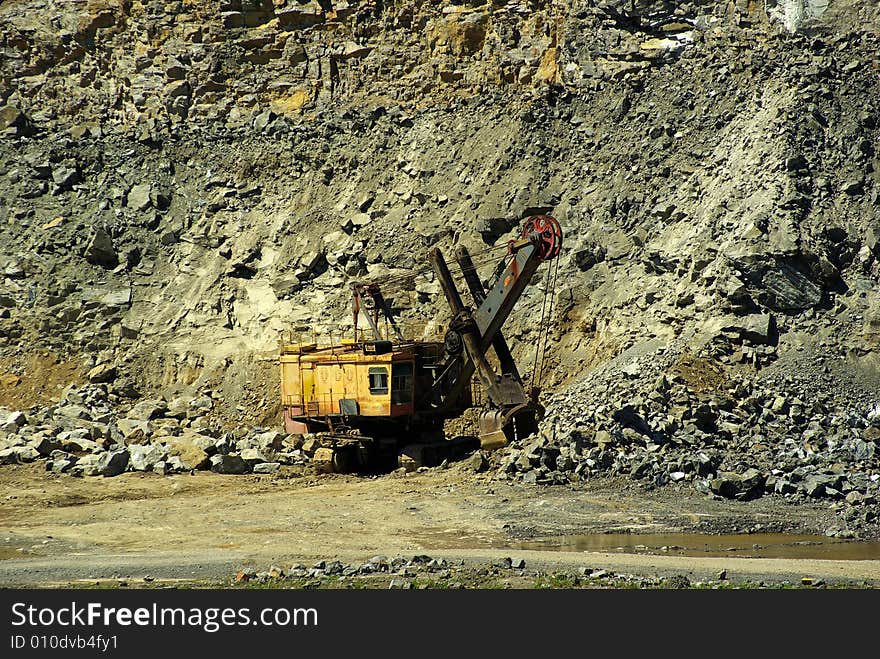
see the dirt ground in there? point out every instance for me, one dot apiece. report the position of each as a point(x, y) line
point(60, 530)
point(36, 378)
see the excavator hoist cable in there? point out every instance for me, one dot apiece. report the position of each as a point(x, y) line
point(551, 292)
point(552, 248)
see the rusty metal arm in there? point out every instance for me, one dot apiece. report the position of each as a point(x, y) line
point(356, 305)
point(463, 321)
point(499, 343)
point(380, 303)
point(489, 318)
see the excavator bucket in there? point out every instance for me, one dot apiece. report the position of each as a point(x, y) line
point(492, 430)
point(498, 428)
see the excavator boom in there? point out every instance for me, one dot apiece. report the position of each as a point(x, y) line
point(479, 330)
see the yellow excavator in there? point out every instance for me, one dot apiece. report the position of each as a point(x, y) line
point(376, 403)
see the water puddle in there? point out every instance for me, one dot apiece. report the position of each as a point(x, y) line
point(754, 545)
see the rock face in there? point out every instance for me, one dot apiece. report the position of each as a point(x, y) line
point(179, 185)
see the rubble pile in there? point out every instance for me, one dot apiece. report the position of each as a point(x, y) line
point(422, 571)
point(88, 433)
point(793, 432)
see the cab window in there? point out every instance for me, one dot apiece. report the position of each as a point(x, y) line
point(401, 383)
point(378, 380)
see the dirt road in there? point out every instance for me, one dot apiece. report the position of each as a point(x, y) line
point(59, 529)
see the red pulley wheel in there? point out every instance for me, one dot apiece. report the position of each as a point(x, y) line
point(546, 233)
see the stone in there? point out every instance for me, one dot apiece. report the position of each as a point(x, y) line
point(816, 485)
point(267, 467)
point(173, 463)
point(731, 485)
point(13, 421)
point(252, 456)
point(178, 89)
point(202, 403)
point(629, 417)
point(862, 450)
point(102, 373)
point(61, 465)
point(65, 177)
point(167, 427)
point(74, 444)
point(311, 260)
point(145, 457)
point(73, 411)
point(120, 297)
point(178, 407)
point(138, 197)
point(270, 441)
point(779, 405)
point(129, 427)
point(18, 455)
point(112, 463)
point(189, 455)
point(45, 445)
point(12, 117)
point(128, 330)
point(209, 445)
point(228, 464)
point(477, 462)
point(232, 20)
point(100, 250)
point(853, 186)
point(295, 18)
point(788, 289)
point(262, 120)
point(148, 409)
point(87, 465)
point(757, 328)
point(872, 432)
point(174, 70)
point(225, 443)
point(796, 163)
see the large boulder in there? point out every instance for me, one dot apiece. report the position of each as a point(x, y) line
point(732, 485)
point(148, 409)
point(142, 457)
point(18, 455)
point(113, 463)
point(100, 250)
point(252, 456)
point(188, 452)
point(229, 464)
